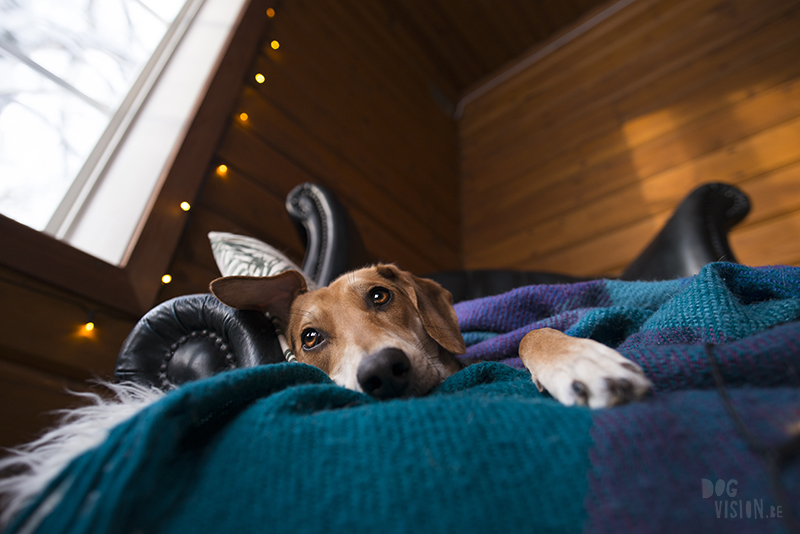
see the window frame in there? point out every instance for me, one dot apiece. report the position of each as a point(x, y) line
point(134, 288)
point(120, 122)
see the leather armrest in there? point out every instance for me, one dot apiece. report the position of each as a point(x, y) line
point(333, 244)
point(193, 337)
point(696, 234)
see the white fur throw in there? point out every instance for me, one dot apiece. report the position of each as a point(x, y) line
point(29, 468)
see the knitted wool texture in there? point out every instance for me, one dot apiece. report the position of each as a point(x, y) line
point(281, 449)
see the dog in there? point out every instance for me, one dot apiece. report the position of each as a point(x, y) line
point(390, 334)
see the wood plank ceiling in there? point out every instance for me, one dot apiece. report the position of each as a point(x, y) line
point(466, 40)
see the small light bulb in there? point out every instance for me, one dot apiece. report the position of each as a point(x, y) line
point(270, 12)
point(166, 279)
point(222, 170)
point(243, 117)
point(185, 206)
point(260, 78)
point(275, 45)
point(88, 326)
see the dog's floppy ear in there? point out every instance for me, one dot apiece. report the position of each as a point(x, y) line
point(435, 306)
point(271, 294)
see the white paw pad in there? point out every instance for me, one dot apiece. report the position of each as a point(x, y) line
point(591, 374)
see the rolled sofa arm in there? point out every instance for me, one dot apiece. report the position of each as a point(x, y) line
point(333, 245)
point(696, 234)
point(193, 337)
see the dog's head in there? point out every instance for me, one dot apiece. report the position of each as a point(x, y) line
point(380, 330)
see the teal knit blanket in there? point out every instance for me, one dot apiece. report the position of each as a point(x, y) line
point(280, 448)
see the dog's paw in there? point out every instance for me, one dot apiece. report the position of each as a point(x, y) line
point(598, 377)
point(584, 372)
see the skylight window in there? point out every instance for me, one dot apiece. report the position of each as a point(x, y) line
point(71, 74)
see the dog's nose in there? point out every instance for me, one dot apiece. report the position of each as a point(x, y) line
point(384, 374)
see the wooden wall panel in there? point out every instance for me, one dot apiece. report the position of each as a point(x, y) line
point(573, 164)
point(45, 350)
point(344, 106)
point(42, 327)
point(29, 399)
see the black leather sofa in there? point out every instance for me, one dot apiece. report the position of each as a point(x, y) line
point(196, 336)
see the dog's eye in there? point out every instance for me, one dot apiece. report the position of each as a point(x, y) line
point(310, 338)
point(380, 296)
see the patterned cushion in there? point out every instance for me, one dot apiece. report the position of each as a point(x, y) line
point(238, 255)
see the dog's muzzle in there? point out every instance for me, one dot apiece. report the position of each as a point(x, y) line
point(385, 374)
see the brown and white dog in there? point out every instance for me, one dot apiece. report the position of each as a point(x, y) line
point(390, 334)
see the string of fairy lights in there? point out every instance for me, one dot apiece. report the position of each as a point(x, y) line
point(89, 327)
point(222, 169)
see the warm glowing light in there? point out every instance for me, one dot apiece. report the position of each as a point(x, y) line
point(275, 45)
point(260, 78)
point(222, 170)
point(243, 116)
point(270, 12)
point(185, 206)
point(166, 279)
point(87, 330)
